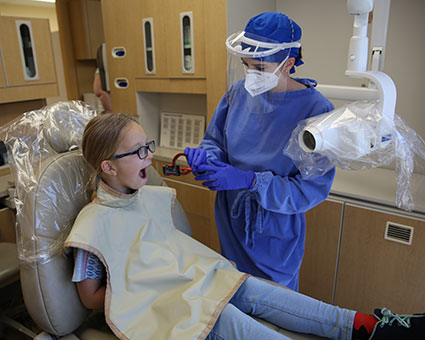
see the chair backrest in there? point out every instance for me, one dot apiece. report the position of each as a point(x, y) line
point(50, 183)
point(52, 189)
point(50, 296)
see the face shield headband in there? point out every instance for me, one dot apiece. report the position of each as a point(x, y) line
point(239, 44)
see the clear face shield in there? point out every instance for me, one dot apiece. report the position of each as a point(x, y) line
point(255, 71)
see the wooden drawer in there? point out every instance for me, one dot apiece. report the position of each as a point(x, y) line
point(7, 225)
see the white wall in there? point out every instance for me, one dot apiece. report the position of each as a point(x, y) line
point(240, 11)
point(327, 28)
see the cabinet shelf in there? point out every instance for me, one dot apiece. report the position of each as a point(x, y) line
point(170, 85)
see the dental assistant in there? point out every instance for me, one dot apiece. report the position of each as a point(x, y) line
point(261, 196)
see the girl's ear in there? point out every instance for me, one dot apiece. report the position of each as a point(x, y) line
point(108, 167)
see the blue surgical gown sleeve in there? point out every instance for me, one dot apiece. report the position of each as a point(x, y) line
point(291, 194)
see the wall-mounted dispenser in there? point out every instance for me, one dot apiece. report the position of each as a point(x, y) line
point(27, 50)
point(187, 42)
point(121, 83)
point(148, 38)
point(119, 52)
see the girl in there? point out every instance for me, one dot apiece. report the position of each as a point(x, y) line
point(156, 282)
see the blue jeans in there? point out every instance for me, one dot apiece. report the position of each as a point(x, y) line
point(284, 308)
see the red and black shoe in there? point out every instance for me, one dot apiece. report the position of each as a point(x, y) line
point(392, 326)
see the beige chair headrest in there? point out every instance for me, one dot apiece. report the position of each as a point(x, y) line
point(64, 124)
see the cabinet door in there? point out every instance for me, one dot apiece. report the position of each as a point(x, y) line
point(2, 80)
point(40, 57)
point(167, 38)
point(154, 10)
point(87, 27)
point(318, 270)
point(7, 225)
point(173, 38)
point(198, 205)
point(376, 272)
point(120, 32)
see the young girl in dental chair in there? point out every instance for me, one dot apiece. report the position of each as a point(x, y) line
point(156, 282)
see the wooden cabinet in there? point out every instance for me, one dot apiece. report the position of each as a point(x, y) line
point(127, 25)
point(87, 27)
point(319, 267)
point(7, 225)
point(167, 33)
point(120, 32)
point(27, 60)
point(375, 271)
point(357, 256)
point(2, 80)
point(198, 203)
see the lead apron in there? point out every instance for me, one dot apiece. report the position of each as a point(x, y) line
point(161, 283)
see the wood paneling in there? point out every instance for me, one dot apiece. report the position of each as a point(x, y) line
point(42, 47)
point(215, 53)
point(2, 80)
point(317, 274)
point(119, 28)
point(10, 111)
point(172, 39)
point(191, 86)
point(7, 226)
point(21, 93)
point(375, 272)
point(198, 205)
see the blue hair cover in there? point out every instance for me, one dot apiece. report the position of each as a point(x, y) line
point(275, 27)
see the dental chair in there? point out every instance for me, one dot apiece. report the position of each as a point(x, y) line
point(52, 186)
point(9, 291)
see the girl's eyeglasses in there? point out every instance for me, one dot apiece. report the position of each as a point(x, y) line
point(142, 152)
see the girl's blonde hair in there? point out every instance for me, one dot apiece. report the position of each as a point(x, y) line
point(102, 137)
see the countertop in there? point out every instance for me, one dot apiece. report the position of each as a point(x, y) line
point(377, 185)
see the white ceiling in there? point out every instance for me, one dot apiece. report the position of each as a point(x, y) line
point(28, 3)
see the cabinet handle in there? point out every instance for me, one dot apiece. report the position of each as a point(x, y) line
point(119, 52)
point(121, 83)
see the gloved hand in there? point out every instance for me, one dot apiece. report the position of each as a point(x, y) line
point(221, 176)
point(195, 157)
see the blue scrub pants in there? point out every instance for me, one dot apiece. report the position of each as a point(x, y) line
point(284, 308)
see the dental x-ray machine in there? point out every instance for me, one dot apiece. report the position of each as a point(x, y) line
point(366, 133)
point(319, 137)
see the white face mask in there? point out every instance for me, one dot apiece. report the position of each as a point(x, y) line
point(258, 82)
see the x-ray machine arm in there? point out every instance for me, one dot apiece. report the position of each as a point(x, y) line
point(381, 85)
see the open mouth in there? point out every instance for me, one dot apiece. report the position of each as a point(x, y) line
point(143, 173)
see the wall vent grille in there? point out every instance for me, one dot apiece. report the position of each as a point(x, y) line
point(399, 233)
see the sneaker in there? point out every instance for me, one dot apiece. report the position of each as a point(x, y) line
point(398, 327)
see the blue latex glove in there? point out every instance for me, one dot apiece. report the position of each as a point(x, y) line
point(221, 176)
point(195, 157)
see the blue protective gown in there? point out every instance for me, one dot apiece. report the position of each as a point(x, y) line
point(263, 229)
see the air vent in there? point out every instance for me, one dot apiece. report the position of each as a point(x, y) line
point(399, 233)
